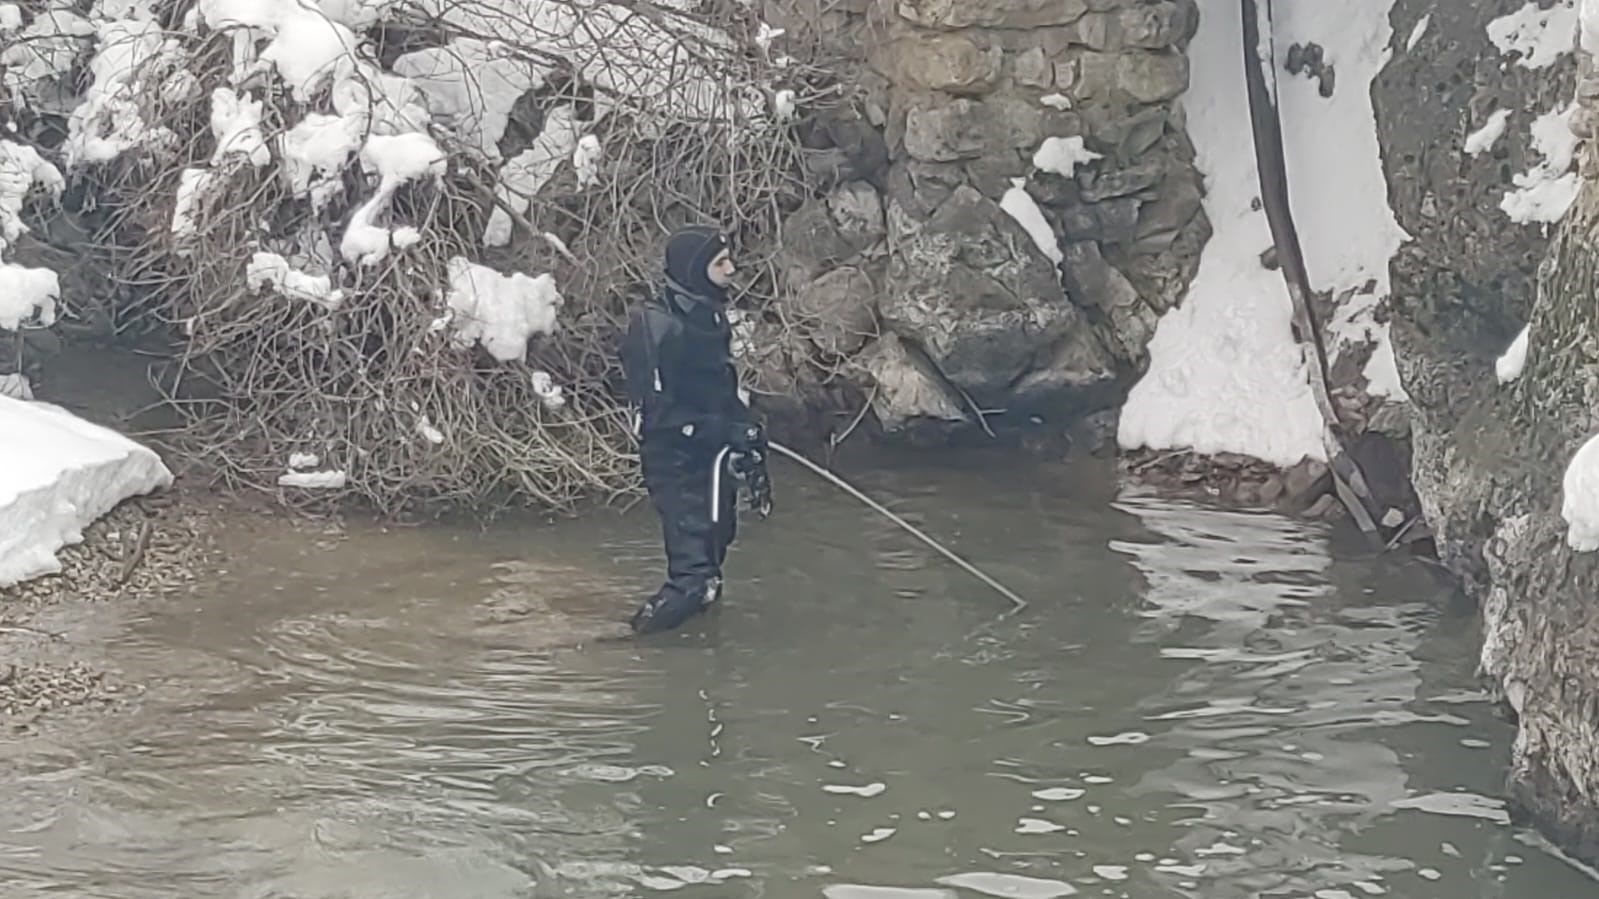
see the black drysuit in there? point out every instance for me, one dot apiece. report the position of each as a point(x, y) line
point(678, 363)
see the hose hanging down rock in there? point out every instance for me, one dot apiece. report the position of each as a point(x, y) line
point(1017, 603)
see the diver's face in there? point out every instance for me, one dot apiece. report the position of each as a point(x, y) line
point(721, 269)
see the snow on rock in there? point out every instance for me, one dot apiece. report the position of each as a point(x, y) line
point(27, 295)
point(306, 49)
point(1540, 36)
point(1579, 504)
point(10, 17)
point(58, 474)
point(1545, 193)
point(236, 122)
point(108, 122)
point(1508, 367)
point(396, 159)
point(586, 160)
point(1588, 25)
point(1062, 155)
point(272, 270)
point(46, 49)
point(192, 186)
point(1338, 188)
point(502, 312)
point(550, 393)
point(525, 175)
point(1021, 206)
point(471, 87)
point(22, 171)
point(1484, 138)
point(315, 151)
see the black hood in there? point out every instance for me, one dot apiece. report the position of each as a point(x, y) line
point(688, 254)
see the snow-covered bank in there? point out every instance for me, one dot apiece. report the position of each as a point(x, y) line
point(1225, 374)
point(58, 474)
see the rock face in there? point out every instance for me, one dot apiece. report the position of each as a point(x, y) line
point(1038, 324)
point(1488, 458)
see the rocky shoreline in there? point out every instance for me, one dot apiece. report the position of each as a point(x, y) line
point(145, 549)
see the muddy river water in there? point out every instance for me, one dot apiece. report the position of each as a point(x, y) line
point(1198, 703)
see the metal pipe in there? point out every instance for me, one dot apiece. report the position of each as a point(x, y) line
point(1017, 602)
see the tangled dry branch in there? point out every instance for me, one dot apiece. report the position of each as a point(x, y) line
point(374, 386)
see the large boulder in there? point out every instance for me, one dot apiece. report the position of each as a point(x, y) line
point(908, 390)
point(837, 310)
point(970, 287)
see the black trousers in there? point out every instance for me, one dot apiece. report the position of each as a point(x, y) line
point(677, 473)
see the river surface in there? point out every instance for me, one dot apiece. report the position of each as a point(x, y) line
point(1198, 703)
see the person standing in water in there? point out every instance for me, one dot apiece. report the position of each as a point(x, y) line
point(697, 439)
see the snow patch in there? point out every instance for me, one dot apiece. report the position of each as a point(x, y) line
point(306, 50)
point(550, 393)
point(1579, 505)
point(58, 474)
point(1021, 207)
point(1541, 36)
point(315, 151)
point(1225, 374)
point(27, 295)
point(470, 87)
point(525, 175)
point(272, 270)
point(586, 160)
point(192, 187)
point(1508, 367)
point(1546, 191)
point(1419, 32)
point(1588, 25)
point(108, 122)
point(396, 159)
point(314, 480)
point(17, 386)
point(1484, 138)
point(1062, 155)
point(236, 122)
point(499, 311)
point(22, 172)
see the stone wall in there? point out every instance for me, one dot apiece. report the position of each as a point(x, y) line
point(911, 274)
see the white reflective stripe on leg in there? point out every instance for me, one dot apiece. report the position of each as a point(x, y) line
point(716, 485)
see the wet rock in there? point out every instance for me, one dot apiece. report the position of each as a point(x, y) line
point(857, 211)
point(1100, 185)
point(1033, 69)
point(1152, 77)
point(952, 63)
point(991, 13)
point(838, 310)
point(969, 289)
point(1180, 200)
point(907, 388)
point(1156, 26)
point(1092, 281)
point(813, 243)
point(1307, 480)
point(967, 129)
point(1100, 31)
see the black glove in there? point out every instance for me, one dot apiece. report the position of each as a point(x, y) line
point(746, 437)
point(748, 444)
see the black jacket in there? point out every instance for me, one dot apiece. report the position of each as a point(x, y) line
point(677, 357)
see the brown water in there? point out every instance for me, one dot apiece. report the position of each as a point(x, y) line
point(1198, 703)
